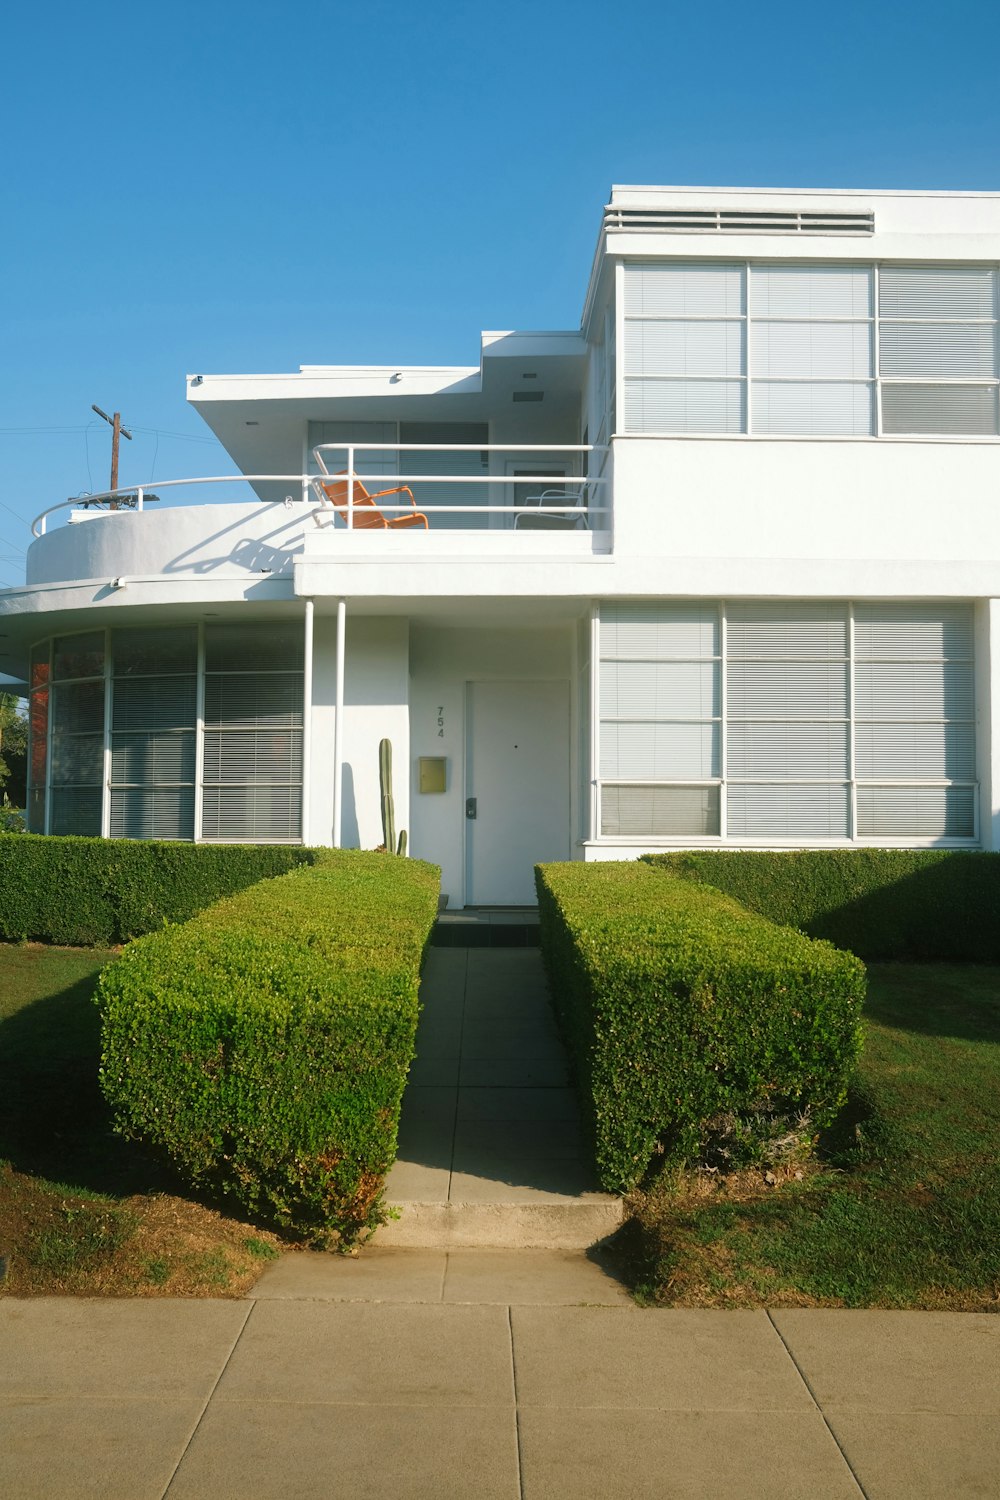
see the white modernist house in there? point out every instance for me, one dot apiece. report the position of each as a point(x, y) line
point(720, 567)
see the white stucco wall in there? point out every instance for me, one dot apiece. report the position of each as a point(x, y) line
point(376, 689)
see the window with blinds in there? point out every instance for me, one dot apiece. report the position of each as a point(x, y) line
point(153, 730)
point(804, 721)
point(685, 347)
point(76, 734)
point(811, 350)
point(252, 776)
point(134, 744)
point(938, 349)
point(660, 707)
point(790, 349)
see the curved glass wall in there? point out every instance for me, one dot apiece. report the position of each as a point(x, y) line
point(169, 733)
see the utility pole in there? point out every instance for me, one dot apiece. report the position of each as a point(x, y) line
point(115, 423)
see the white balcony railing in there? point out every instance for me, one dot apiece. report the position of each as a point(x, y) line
point(539, 487)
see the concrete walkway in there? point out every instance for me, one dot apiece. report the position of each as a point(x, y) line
point(474, 1373)
point(490, 1150)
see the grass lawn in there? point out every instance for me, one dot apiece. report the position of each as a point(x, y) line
point(82, 1211)
point(902, 1209)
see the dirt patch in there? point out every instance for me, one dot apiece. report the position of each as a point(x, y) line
point(58, 1242)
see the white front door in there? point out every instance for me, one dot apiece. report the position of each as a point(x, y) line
point(517, 787)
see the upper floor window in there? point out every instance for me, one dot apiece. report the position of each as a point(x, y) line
point(785, 349)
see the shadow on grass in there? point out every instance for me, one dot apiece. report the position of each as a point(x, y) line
point(54, 1122)
point(953, 1000)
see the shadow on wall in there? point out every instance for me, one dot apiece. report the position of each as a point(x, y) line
point(350, 833)
point(274, 552)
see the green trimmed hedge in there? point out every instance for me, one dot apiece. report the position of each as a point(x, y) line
point(929, 904)
point(681, 1008)
point(263, 1046)
point(96, 892)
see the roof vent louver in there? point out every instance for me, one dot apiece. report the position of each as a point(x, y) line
point(736, 221)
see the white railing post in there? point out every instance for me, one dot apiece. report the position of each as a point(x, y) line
point(138, 497)
point(350, 493)
point(338, 724)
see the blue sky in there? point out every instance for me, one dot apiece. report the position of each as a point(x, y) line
point(248, 187)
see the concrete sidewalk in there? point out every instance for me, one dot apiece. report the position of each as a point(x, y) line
point(488, 1374)
point(490, 1146)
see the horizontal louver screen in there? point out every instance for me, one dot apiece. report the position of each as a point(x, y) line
point(77, 759)
point(251, 813)
point(937, 292)
point(659, 811)
point(788, 750)
point(659, 631)
point(78, 708)
point(76, 810)
point(916, 812)
point(785, 751)
point(682, 348)
point(152, 813)
point(791, 409)
point(245, 699)
point(154, 703)
point(913, 632)
point(656, 690)
point(940, 410)
point(759, 811)
point(913, 690)
point(144, 759)
point(702, 406)
point(933, 351)
point(659, 752)
point(679, 290)
point(253, 755)
point(788, 690)
point(916, 752)
point(779, 291)
point(814, 351)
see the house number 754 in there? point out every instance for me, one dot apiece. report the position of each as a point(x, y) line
point(441, 723)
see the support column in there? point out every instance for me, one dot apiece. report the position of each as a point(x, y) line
point(307, 725)
point(338, 727)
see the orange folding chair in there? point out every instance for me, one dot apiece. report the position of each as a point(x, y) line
point(367, 516)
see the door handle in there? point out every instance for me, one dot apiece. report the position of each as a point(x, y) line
point(470, 807)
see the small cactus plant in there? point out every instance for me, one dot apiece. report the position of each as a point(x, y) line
point(388, 806)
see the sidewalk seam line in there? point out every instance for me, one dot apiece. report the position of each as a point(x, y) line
point(208, 1399)
point(815, 1401)
point(517, 1405)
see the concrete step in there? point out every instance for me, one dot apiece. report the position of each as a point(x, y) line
point(575, 1224)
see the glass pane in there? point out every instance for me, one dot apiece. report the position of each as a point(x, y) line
point(149, 652)
point(255, 812)
point(247, 755)
point(39, 675)
point(36, 810)
point(659, 630)
point(254, 701)
point(815, 409)
point(914, 690)
point(775, 811)
point(937, 292)
point(779, 631)
point(660, 751)
point(77, 759)
point(152, 813)
point(78, 708)
point(814, 351)
point(154, 703)
point(781, 291)
point(916, 812)
point(38, 727)
point(665, 406)
point(681, 348)
point(788, 749)
point(906, 632)
point(79, 655)
point(788, 690)
point(76, 810)
point(659, 811)
point(659, 689)
point(916, 752)
point(937, 350)
point(147, 759)
point(254, 648)
point(940, 409)
point(679, 290)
